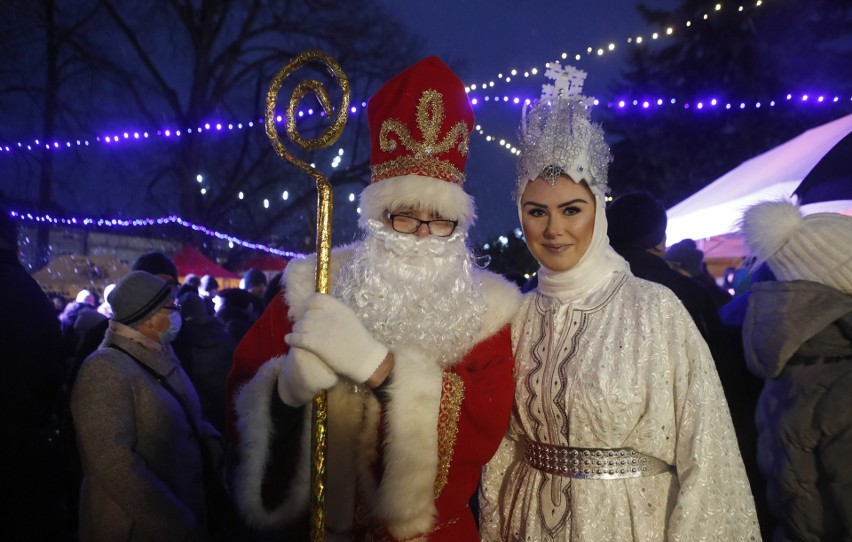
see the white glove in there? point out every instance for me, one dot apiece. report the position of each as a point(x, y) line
point(332, 331)
point(302, 376)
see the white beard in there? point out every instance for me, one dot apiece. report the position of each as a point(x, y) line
point(409, 290)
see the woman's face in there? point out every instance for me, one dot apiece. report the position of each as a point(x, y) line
point(558, 221)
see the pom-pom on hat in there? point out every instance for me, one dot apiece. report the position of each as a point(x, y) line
point(817, 247)
point(636, 220)
point(420, 125)
point(137, 296)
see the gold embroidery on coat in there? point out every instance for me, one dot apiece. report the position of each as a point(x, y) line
point(452, 394)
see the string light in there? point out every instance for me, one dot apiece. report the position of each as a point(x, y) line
point(651, 104)
point(500, 141)
point(476, 100)
point(611, 47)
point(163, 134)
point(143, 222)
point(618, 104)
point(716, 103)
point(698, 103)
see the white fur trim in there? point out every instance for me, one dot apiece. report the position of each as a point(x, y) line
point(300, 278)
point(405, 498)
point(446, 198)
point(254, 424)
point(502, 301)
point(255, 427)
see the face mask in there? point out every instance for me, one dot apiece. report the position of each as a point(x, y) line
point(169, 335)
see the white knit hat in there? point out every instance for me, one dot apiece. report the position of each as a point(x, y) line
point(816, 247)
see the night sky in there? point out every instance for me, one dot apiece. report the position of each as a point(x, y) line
point(480, 39)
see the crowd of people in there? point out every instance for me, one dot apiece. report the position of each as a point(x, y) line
point(97, 454)
point(623, 396)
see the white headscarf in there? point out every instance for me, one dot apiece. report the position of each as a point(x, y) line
point(595, 265)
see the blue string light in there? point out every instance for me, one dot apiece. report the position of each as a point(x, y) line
point(477, 100)
point(142, 222)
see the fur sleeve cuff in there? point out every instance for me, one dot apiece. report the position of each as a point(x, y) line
point(258, 433)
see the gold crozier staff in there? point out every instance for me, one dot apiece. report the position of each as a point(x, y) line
point(324, 205)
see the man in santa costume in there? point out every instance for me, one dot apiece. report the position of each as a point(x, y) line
point(413, 346)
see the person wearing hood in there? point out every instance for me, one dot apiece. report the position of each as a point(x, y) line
point(797, 336)
point(620, 429)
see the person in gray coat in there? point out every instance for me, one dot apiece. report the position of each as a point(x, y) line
point(143, 442)
point(797, 335)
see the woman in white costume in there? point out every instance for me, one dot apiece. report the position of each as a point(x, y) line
point(620, 429)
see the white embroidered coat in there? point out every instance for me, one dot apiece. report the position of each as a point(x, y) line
point(625, 367)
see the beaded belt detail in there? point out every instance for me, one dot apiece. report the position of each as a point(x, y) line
point(593, 463)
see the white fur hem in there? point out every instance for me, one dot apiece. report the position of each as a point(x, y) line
point(405, 498)
point(254, 423)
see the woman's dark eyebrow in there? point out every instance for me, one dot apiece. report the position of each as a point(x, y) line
point(561, 205)
point(572, 202)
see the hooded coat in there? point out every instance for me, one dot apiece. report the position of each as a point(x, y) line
point(797, 336)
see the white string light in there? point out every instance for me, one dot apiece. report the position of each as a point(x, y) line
point(602, 49)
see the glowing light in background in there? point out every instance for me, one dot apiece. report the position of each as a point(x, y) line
point(146, 222)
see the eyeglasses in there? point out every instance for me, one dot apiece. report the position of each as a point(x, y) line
point(172, 307)
point(409, 224)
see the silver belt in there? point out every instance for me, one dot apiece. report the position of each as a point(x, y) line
point(593, 463)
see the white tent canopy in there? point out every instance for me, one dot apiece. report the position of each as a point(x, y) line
point(716, 209)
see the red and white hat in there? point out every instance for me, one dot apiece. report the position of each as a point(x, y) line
point(420, 125)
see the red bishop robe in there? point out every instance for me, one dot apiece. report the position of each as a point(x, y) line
point(402, 462)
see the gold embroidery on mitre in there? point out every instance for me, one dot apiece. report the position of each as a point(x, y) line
point(424, 158)
point(452, 394)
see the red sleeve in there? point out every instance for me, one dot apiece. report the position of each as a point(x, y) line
point(489, 390)
point(263, 341)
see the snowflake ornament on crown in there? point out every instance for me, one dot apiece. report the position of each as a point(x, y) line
point(557, 136)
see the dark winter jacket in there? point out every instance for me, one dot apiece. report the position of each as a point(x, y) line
point(30, 378)
point(695, 298)
point(797, 335)
point(212, 348)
